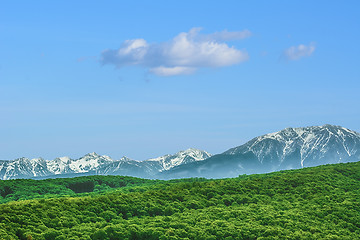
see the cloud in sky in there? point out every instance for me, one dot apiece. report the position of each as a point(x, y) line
point(300, 51)
point(184, 54)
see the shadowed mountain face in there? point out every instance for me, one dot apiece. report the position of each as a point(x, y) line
point(288, 149)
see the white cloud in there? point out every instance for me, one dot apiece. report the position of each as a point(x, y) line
point(297, 52)
point(184, 54)
point(171, 71)
point(131, 52)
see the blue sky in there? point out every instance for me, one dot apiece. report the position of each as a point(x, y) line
point(147, 78)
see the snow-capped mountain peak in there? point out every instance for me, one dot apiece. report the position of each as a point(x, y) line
point(197, 154)
point(186, 156)
point(59, 165)
point(64, 159)
point(310, 143)
point(89, 162)
point(290, 148)
point(86, 163)
point(92, 154)
point(96, 164)
point(23, 167)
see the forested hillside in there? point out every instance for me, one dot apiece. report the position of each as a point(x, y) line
point(312, 203)
point(24, 189)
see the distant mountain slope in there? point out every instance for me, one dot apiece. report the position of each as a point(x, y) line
point(22, 167)
point(92, 164)
point(287, 149)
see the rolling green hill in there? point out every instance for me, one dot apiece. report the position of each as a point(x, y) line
point(25, 189)
point(311, 203)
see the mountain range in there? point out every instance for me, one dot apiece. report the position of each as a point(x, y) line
point(290, 148)
point(93, 163)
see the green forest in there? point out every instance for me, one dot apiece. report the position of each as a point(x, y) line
point(311, 203)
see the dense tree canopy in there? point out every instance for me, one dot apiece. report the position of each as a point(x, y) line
point(313, 203)
point(24, 189)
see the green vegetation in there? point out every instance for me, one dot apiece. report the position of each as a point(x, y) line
point(313, 203)
point(25, 189)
